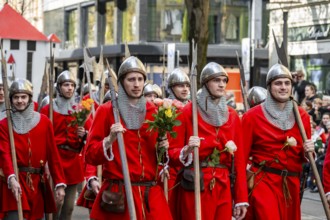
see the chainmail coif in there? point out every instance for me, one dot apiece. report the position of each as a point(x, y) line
point(213, 113)
point(63, 105)
point(2, 111)
point(283, 119)
point(26, 120)
point(133, 115)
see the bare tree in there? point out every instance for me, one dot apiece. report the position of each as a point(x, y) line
point(198, 15)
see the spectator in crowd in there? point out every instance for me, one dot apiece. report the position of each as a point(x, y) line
point(299, 85)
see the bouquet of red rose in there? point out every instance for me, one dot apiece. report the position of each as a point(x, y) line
point(81, 112)
point(163, 123)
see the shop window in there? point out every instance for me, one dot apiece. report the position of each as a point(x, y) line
point(110, 23)
point(71, 26)
point(130, 22)
point(89, 27)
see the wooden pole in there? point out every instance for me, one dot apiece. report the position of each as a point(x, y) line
point(193, 75)
point(10, 128)
point(311, 160)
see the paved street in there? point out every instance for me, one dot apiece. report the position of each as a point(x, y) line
point(311, 208)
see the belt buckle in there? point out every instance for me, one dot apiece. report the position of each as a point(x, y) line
point(284, 173)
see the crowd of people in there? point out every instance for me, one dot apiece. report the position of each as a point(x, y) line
point(251, 162)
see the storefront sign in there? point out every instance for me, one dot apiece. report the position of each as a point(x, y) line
point(315, 32)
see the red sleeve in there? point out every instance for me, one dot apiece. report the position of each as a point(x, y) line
point(5, 152)
point(176, 144)
point(99, 130)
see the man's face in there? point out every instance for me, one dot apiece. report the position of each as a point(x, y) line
point(217, 86)
point(133, 84)
point(2, 95)
point(151, 97)
point(281, 89)
point(20, 101)
point(67, 89)
point(181, 91)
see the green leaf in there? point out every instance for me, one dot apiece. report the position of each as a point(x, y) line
point(176, 123)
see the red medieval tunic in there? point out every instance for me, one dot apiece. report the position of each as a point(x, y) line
point(216, 203)
point(326, 171)
point(141, 159)
point(31, 148)
point(264, 142)
point(67, 135)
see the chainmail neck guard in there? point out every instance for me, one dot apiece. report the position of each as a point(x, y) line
point(2, 111)
point(212, 113)
point(172, 96)
point(63, 105)
point(283, 119)
point(96, 96)
point(26, 120)
point(133, 115)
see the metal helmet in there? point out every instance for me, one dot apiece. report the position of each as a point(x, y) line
point(277, 71)
point(21, 86)
point(177, 77)
point(157, 89)
point(256, 95)
point(131, 64)
point(65, 76)
point(86, 88)
point(107, 97)
point(152, 88)
point(44, 102)
point(212, 70)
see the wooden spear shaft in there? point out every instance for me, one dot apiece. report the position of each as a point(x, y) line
point(195, 131)
point(312, 161)
point(10, 129)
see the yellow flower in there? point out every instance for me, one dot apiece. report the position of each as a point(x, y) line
point(86, 105)
point(168, 113)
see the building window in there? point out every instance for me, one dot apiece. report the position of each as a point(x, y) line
point(71, 27)
point(129, 22)
point(89, 21)
point(110, 23)
point(31, 46)
point(14, 44)
point(29, 66)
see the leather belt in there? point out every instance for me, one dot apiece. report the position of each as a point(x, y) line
point(66, 147)
point(30, 170)
point(204, 164)
point(147, 184)
point(280, 172)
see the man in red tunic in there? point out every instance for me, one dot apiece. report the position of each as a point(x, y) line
point(35, 146)
point(273, 144)
point(102, 148)
point(69, 140)
point(179, 89)
point(219, 129)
